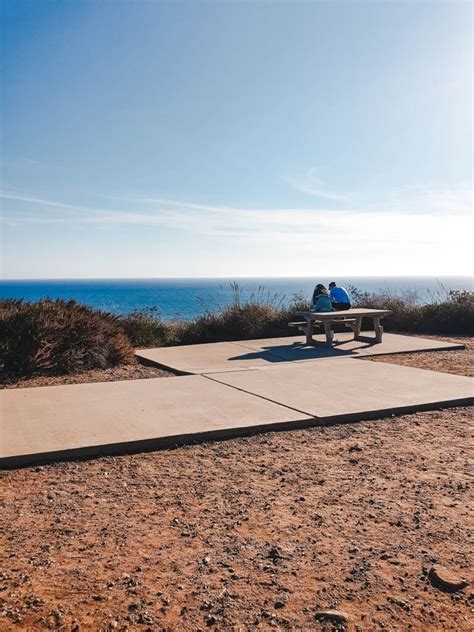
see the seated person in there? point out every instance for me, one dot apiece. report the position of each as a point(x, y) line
point(321, 301)
point(339, 297)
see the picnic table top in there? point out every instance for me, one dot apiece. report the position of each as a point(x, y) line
point(357, 311)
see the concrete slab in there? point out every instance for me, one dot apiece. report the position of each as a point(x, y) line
point(294, 348)
point(206, 358)
point(247, 354)
point(347, 390)
point(71, 421)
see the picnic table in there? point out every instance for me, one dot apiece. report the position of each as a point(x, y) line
point(350, 317)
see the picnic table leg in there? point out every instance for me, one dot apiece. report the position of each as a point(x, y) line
point(329, 332)
point(357, 327)
point(378, 330)
point(308, 330)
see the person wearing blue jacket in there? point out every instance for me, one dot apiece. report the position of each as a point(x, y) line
point(339, 297)
point(321, 301)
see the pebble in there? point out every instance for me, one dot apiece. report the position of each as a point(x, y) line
point(333, 615)
point(144, 618)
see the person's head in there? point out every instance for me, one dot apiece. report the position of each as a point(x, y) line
point(320, 289)
point(332, 284)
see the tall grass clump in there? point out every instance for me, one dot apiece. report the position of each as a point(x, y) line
point(261, 315)
point(56, 337)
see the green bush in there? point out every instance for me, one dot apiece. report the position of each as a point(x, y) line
point(54, 337)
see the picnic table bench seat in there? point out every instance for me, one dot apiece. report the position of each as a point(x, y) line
point(350, 317)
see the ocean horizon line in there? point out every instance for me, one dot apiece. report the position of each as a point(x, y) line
point(188, 296)
point(237, 278)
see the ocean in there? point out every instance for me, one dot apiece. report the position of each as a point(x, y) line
point(188, 298)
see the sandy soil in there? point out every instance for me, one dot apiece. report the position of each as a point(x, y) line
point(128, 372)
point(459, 362)
point(257, 533)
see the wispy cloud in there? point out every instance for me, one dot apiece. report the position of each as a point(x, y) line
point(199, 218)
point(311, 184)
point(422, 213)
point(432, 199)
point(426, 198)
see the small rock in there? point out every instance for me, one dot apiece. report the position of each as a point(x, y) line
point(400, 603)
point(279, 604)
point(333, 615)
point(144, 618)
point(446, 580)
point(275, 554)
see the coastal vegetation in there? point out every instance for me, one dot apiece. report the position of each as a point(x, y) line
point(56, 337)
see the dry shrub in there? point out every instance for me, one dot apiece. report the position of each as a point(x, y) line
point(55, 337)
point(453, 315)
point(233, 323)
point(146, 329)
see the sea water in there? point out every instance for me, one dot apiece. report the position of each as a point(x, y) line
point(188, 298)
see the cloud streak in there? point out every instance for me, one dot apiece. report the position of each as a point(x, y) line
point(311, 184)
point(402, 223)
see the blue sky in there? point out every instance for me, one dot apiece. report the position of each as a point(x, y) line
point(157, 139)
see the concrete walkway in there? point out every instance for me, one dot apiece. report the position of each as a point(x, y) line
point(246, 354)
point(59, 422)
point(348, 390)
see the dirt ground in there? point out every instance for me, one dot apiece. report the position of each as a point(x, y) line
point(258, 533)
point(128, 372)
point(459, 362)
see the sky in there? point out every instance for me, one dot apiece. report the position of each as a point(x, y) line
point(144, 138)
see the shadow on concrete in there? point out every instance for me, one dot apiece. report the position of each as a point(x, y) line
point(297, 352)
